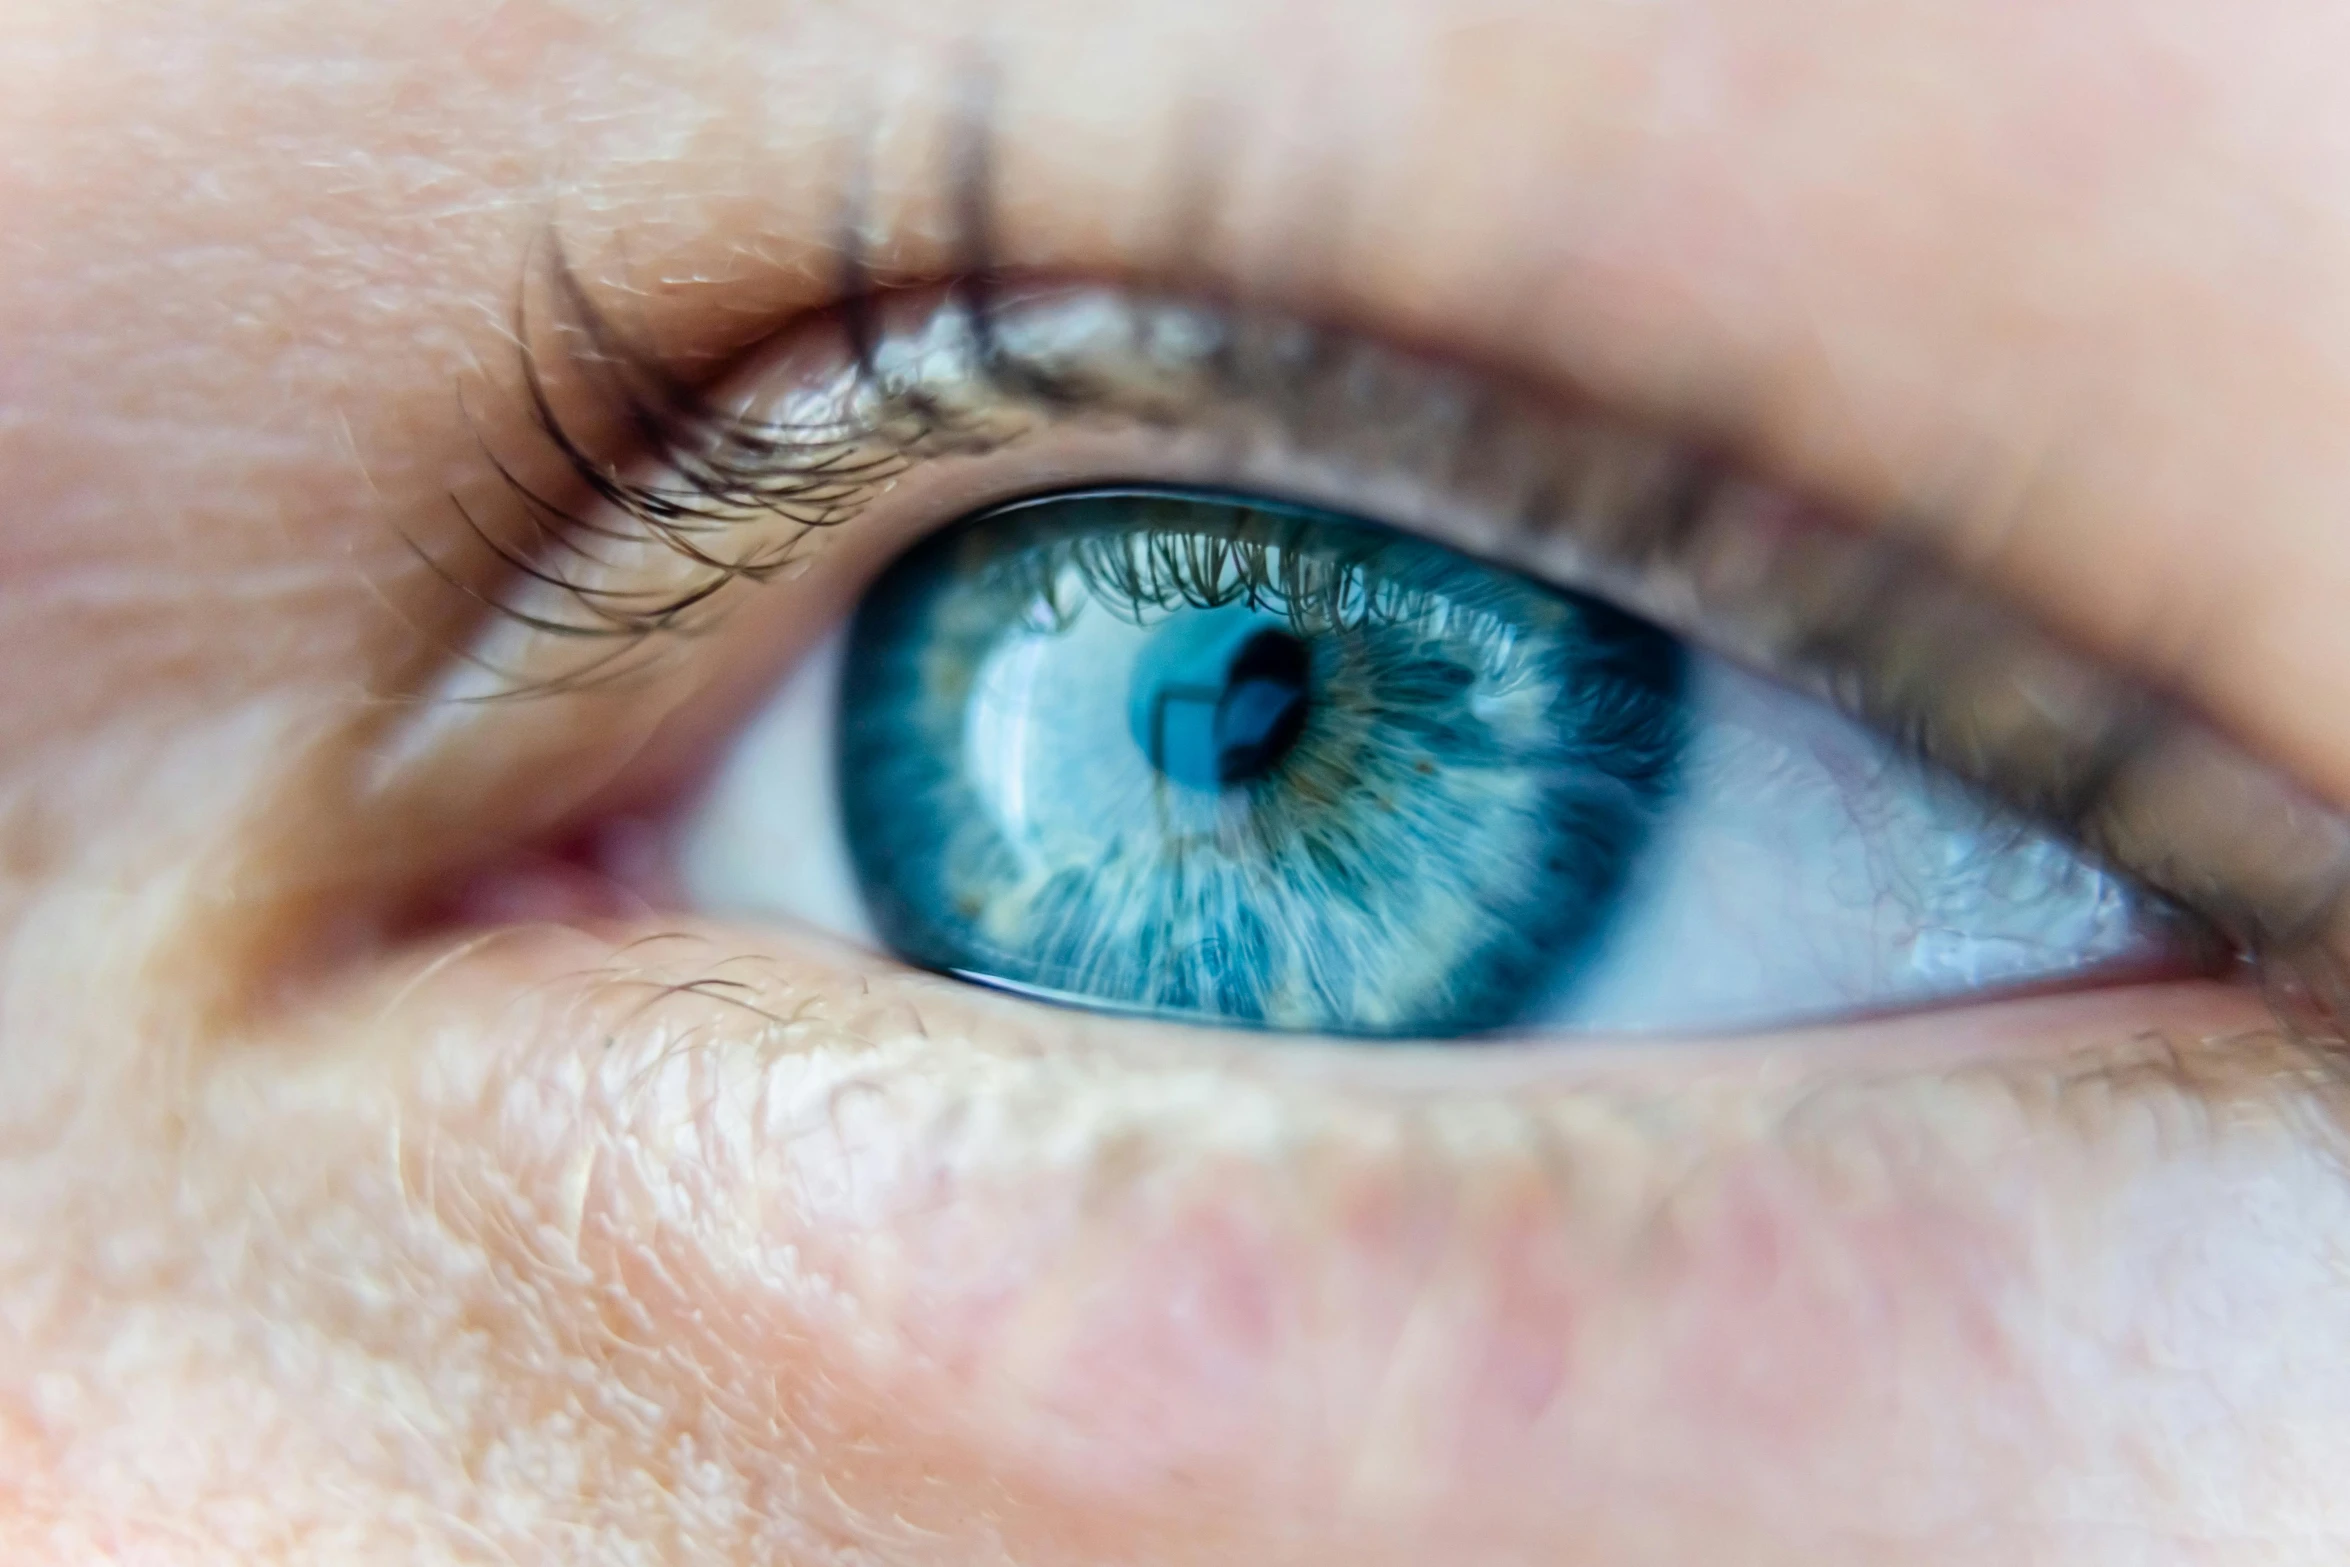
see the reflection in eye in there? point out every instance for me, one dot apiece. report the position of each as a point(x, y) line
point(1240, 761)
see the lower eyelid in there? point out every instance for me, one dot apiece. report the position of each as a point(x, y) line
point(1102, 1250)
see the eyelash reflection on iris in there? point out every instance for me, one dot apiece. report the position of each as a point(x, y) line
point(1201, 756)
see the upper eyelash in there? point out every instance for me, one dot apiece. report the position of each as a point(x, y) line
point(724, 465)
point(716, 469)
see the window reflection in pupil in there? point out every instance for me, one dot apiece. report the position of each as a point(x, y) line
point(1210, 727)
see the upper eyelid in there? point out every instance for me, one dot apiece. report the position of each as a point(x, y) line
point(1894, 637)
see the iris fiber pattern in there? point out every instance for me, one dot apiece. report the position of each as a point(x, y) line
point(1253, 763)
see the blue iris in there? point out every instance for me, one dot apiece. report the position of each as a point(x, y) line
point(1199, 755)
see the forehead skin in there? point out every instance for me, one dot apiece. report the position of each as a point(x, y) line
point(2059, 283)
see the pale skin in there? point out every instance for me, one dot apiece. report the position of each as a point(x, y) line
point(320, 1248)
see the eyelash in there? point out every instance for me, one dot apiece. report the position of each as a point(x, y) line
point(1864, 620)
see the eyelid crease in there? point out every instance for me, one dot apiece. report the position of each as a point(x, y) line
point(741, 483)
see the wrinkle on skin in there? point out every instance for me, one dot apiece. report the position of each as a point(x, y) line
point(418, 1268)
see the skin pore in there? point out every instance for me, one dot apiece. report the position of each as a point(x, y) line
point(643, 1240)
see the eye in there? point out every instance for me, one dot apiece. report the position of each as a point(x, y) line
point(1245, 762)
point(1190, 661)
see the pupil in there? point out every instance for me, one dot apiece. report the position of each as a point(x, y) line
point(1219, 698)
point(1263, 708)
